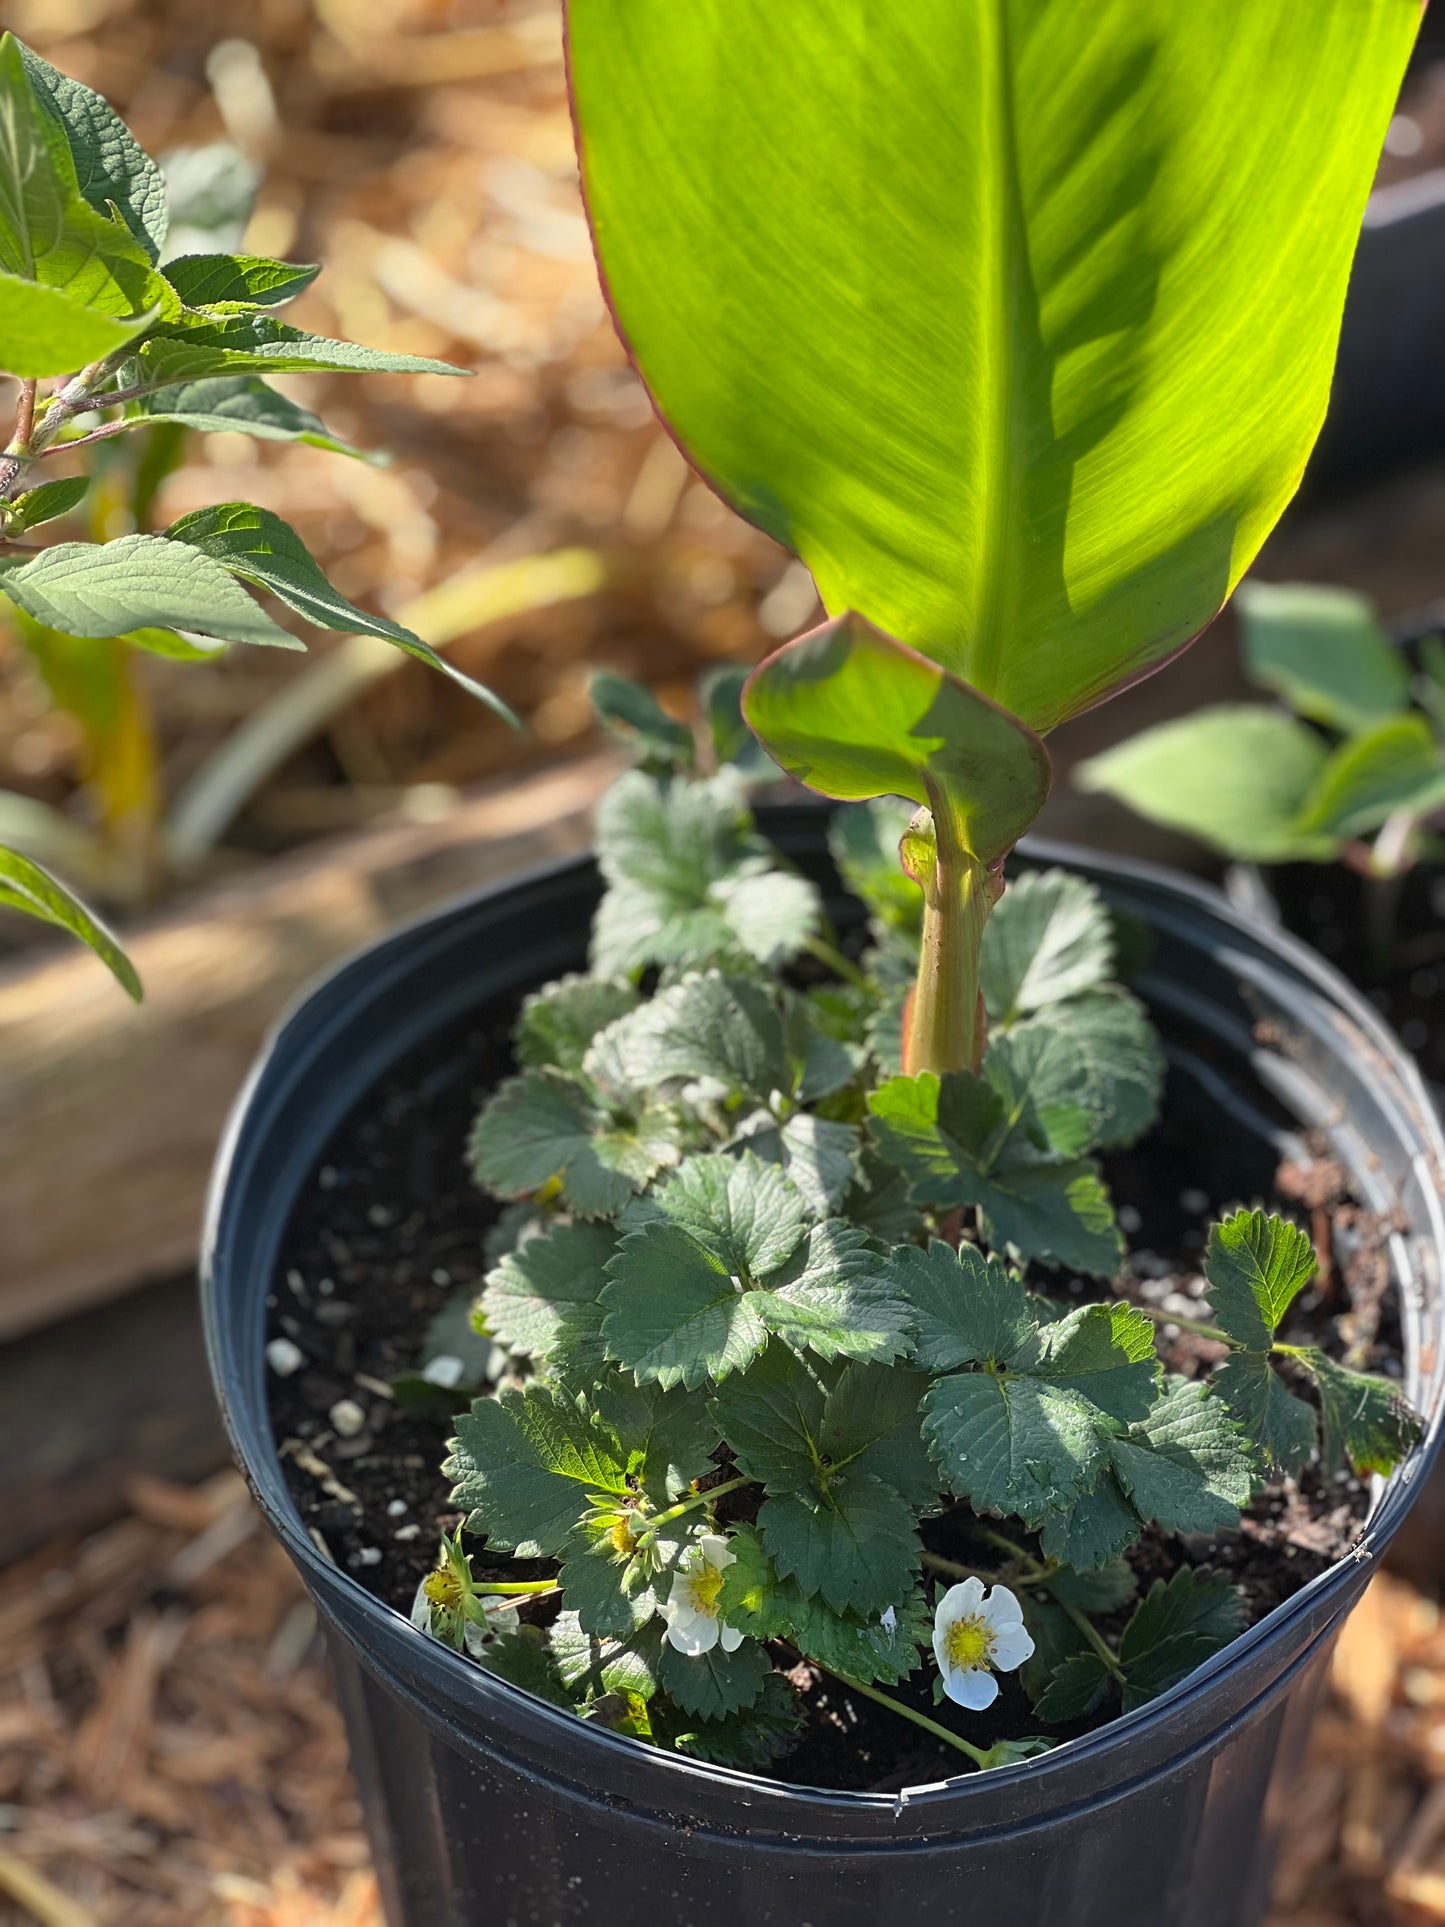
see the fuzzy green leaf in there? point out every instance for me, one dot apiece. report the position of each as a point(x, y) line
point(966, 1308)
point(613, 1594)
point(818, 1156)
point(1397, 765)
point(1110, 1032)
point(242, 403)
point(1185, 1465)
point(1014, 1444)
point(1106, 1354)
point(541, 1126)
point(1104, 1590)
point(634, 714)
point(751, 1738)
point(544, 1298)
point(136, 582)
point(201, 280)
point(25, 887)
point(1096, 1528)
point(111, 167)
point(712, 1685)
point(1256, 1265)
point(259, 344)
point(743, 1212)
point(1283, 1428)
point(526, 1464)
point(1049, 939)
point(832, 1299)
point(706, 1026)
point(46, 331)
point(44, 504)
point(558, 1023)
point(1075, 1689)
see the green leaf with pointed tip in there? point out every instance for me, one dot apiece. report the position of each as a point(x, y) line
point(263, 550)
point(26, 887)
point(832, 1299)
point(672, 1313)
point(201, 280)
point(1075, 1689)
point(1014, 1444)
point(1396, 765)
point(1096, 1528)
point(1282, 1428)
point(1050, 938)
point(1032, 403)
point(111, 168)
point(136, 582)
point(558, 1023)
point(44, 504)
point(1235, 778)
point(855, 1545)
point(1174, 1628)
point(712, 1685)
point(46, 331)
point(1185, 1466)
point(544, 1298)
point(1364, 1419)
point(743, 1212)
point(239, 403)
point(1256, 1265)
point(966, 1308)
point(259, 344)
point(1322, 649)
point(632, 713)
point(525, 1465)
point(851, 712)
point(1105, 1353)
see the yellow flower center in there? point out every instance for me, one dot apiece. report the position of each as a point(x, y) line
point(443, 1588)
point(968, 1643)
point(622, 1539)
point(704, 1585)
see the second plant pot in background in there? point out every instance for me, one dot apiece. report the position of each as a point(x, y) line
point(485, 1803)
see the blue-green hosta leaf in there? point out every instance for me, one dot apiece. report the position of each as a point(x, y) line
point(242, 403)
point(1364, 1419)
point(707, 1026)
point(819, 1157)
point(111, 168)
point(1174, 1628)
point(967, 1309)
point(1111, 1031)
point(26, 887)
point(45, 503)
point(1014, 1444)
point(1049, 938)
point(1282, 1428)
point(541, 1125)
point(712, 1685)
point(1256, 1265)
point(556, 1025)
point(1322, 649)
point(1034, 406)
point(1234, 777)
point(544, 1298)
point(855, 1545)
point(47, 331)
point(633, 713)
point(1185, 1466)
point(673, 853)
point(751, 1738)
point(263, 550)
point(136, 582)
point(864, 841)
point(201, 280)
point(259, 344)
point(941, 1133)
point(674, 1314)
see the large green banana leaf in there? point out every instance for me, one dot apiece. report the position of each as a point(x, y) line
point(1014, 318)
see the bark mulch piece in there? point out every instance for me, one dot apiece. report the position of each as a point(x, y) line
point(171, 1754)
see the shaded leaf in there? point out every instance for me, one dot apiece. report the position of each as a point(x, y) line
point(1322, 649)
point(1049, 938)
point(713, 1684)
point(631, 712)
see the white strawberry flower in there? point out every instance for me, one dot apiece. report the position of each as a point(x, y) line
point(975, 1636)
point(693, 1626)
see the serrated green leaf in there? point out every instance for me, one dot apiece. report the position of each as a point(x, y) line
point(46, 331)
point(857, 1546)
point(611, 1592)
point(1322, 649)
point(136, 582)
point(1364, 1419)
point(1234, 777)
point(673, 1313)
point(1110, 1030)
point(1256, 1264)
point(751, 1738)
point(880, 1201)
point(541, 1126)
point(241, 403)
point(589, 1666)
point(772, 1418)
point(1283, 1428)
point(818, 1156)
point(544, 1298)
point(1104, 1590)
point(201, 280)
point(758, 1602)
point(1096, 1528)
point(1174, 1628)
point(26, 887)
point(1048, 939)
point(260, 344)
point(863, 840)
point(1185, 1466)
point(1046, 1086)
point(966, 1308)
point(706, 1026)
point(743, 1212)
point(872, 1422)
point(832, 1299)
point(1078, 1686)
point(526, 1464)
point(111, 168)
point(557, 1024)
point(634, 714)
point(46, 503)
point(713, 1684)
point(1013, 1444)
point(523, 1658)
point(1106, 1354)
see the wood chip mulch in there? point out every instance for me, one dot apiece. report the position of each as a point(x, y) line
point(171, 1755)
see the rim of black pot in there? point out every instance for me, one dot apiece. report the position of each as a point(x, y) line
point(263, 1469)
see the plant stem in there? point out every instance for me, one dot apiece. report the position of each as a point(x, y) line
point(977, 1754)
point(688, 1505)
point(487, 1587)
point(24, 418)
point(844, 967)
point(951, 1569)
point(1194, 1325)
point(944, 1028)
point(1100, 1646)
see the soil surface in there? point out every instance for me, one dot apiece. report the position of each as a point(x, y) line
point(390, 1228)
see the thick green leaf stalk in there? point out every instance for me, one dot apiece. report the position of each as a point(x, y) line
point(944, 1024)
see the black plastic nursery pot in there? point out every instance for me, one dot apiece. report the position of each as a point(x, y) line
point(489, 1808)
